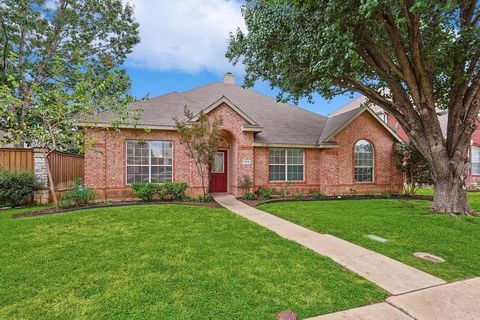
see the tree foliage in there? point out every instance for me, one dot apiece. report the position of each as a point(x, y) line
point(202, 139)
point(63, 54)
point(413, 164)
point(410, 57)
point(60, 64)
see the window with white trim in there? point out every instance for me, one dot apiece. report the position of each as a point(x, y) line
point(286, 164)
point(149, 161)
point(364, 160)
point(475, 160)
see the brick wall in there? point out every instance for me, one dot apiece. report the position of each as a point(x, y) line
point(331, 171)
point(326, 170)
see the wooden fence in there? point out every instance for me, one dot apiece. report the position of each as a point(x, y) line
point(16, 159)
point(65, 167)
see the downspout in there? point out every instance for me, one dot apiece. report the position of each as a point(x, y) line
point(105, 165)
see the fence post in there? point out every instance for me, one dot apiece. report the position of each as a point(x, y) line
point(40, 167)
point(41, 196)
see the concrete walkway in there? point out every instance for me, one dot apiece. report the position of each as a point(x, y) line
point(416, 294)
point(453, 301)
point(389, 274)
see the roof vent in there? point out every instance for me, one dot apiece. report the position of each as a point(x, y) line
point(229, 78)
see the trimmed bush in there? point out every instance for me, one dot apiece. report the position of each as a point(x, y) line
point(249, 196)
point(160, 191)
point(204, 199)
point(145, 191)
point(78, 195)
point(298, 196)
point(265, 193)
point(317, 195)
point(175, 190)
point(17, 187)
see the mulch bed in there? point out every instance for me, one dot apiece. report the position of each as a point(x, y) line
point(49, 211)
point(257, 202)
point(212, 204)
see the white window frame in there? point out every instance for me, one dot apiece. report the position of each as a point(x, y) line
point(286, 164)
point(149, 165)
point(355, 166)
point(472, 157)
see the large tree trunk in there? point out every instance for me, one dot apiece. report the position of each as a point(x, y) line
point(450, 190)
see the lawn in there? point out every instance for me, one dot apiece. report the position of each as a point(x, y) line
point(473, 197)
point(164, 262)
point(408, 225)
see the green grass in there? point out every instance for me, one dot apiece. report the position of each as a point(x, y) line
point(164, 262)
point(473, 197)
point(408, 225)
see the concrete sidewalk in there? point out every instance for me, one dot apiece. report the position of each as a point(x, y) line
point(453, 301)
point(416, 294)
point(389, 274)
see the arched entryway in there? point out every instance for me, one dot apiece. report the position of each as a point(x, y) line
point(220, 174)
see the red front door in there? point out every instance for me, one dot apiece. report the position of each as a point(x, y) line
point(218, 182)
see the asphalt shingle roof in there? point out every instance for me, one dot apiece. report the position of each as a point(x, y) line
point(282, 123)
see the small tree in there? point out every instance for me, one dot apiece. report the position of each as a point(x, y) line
point(413, 164)
point(246, 183)
point(202, 139)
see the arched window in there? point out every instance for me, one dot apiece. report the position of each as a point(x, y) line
point(364, 161)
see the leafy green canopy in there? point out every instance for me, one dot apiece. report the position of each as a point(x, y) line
point(60, 64)
point(409, 57)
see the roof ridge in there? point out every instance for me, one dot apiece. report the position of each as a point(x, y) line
point(286, 103)
point(257, 93)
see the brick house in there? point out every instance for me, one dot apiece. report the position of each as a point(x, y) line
point(272, 142)
point(473, 151)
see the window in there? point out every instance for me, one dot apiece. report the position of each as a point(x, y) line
point(383, 116)
point(149, 161)
point(286, 164)
point(218, 163)
point(363, 161)
point(475, 160)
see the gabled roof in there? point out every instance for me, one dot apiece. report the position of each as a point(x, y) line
point(355, 104)
point(274, 123)
point(337, 123)
point(225, 100)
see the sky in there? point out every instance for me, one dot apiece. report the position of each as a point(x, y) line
point(183, 44)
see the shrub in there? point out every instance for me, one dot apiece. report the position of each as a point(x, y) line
point(204, 199)
point(386, 195)
point(265, 193)
point(160, 191)
point(78, 195)
point(249, 196)
point(17, 187)
point(297, 196)
point(246, 183)
point(146, 191)
point(175, 190)
point(317, 195)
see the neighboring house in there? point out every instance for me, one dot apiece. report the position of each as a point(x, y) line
point(474, 149)
point(272, 142)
